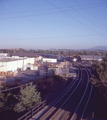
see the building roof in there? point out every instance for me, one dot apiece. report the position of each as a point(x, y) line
point(8, 59)
point(2, 56)
point(48, 54)
point(26, 54)
point(3, 53)
point(96, 57)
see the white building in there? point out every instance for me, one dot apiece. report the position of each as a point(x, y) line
point(58, 57)
point(49, 60)
point(4, 54)
point(35, 56)
point(12, 64)
point(91, 57)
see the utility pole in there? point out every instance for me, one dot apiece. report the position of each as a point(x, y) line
point(65, 68)
point(23, 63)
point(69, 58)
point(93, 56)
point(46, 74)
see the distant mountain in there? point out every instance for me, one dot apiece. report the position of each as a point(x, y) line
point(99, 48)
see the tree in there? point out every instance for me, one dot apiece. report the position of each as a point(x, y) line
point(10, 100)
point(28, 98)
point(2, 100)
point(53, 71)
point(99, 76)
point(86, 52)
point(63, 53)
point(104, 63)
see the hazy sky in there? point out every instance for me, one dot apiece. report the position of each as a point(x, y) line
point(44, 24)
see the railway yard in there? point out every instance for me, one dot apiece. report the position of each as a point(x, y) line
point(72, 103)
point(76, 101)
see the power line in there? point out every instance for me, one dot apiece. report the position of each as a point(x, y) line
point(83, 15)
point(90, 13)
point(57, 37)
point(23, 16)
point(28, 15)
point(27, 11)
point(72, 17)
point(99, 5)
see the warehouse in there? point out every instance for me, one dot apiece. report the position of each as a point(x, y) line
point(50, 60)
point(4, 54)
point(58, 57)
point(28, 55)
point(10, 64)
point(91, 57)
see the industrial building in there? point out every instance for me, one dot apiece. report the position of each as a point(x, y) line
point(4, 54)
point(28, 55)
point(12, 64)
point(50, 60)
point(58, 57)
point(60, 68)
point(91, 57)
point(20, 61)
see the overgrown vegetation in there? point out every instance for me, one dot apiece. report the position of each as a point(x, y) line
point(27, 98)
point(19, 100)
point(2, 100)
point(99, 77)
point(49, 85)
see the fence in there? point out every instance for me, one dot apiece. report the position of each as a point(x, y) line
point(33, 111)
point(40, 106)
point(17, 86)
point(14, 87)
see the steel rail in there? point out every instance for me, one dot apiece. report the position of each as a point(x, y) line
point(87, 102)
point(88, 98)
point(60, 98)
point(90, 72)
point(82, 97)
point(52, 118)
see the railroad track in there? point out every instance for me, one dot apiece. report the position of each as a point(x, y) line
point(66, 111)
point(82, 106)
point(62, 101)
point(73, 104)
